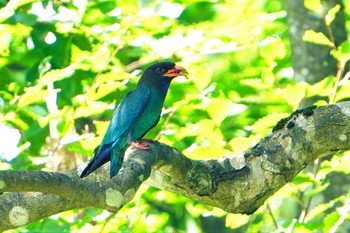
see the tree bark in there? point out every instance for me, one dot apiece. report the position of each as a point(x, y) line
point(238, 184)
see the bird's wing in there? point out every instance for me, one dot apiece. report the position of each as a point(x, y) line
point(125, 116)
point(123, 119)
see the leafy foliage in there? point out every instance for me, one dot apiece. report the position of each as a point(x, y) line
point(65, 65)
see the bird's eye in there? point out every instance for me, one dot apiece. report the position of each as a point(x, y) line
point(159, 70)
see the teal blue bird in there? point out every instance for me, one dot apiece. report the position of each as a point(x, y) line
point(136, 114)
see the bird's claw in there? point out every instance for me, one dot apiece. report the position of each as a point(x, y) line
point(139, 146)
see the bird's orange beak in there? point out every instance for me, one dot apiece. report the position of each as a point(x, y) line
point(176, 71)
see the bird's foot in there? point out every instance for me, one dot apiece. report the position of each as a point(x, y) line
point(139, 146)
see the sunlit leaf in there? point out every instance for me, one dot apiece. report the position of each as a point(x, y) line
point(197, 209)
point(303, 181)
point(314, 6)
point(332, 222)
point(343, 93)
point(66, 111)
point(252, 82)
point(272, 48)
point(264, 124)
point(339, 163)
point(55, 75)
point(316, 190)
point(236, 220)
point(241, 144)
point(322, 88)
point(201, 75)
point(317, 38)
point(205, 149)
point(6, 12)
point(218, 109)
point(294, 93)
point(12, 117)
point(91, 109)
point(317, 211)
point(44, 65)
point(33, 96)
point(100, 59)
point(105, 89)
point(342, 53)
point(302, 227)
point(101, 126)
point(78, 54)
point(305, 178)
point(116, 74)
point(205, 128)
point(330, 16)
point(285, 192)
point(4, 47)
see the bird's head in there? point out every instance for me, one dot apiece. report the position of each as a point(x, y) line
point(163, 71)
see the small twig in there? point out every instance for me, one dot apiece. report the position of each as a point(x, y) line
point(340, 65)
point(106, 221)
point(305, 210)
point(338, 76)
point(271, 214)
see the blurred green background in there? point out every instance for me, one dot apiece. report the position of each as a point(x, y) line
point(65, 65)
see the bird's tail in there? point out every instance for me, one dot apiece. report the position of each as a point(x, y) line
point(102, 156)
point(117, 156)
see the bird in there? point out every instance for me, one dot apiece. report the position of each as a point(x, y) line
point(135, 115)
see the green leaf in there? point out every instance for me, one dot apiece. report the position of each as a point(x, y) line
point(294, 93)
point(339, 164)
point(317, 211)
point(316, 190)
point(342, 53)
point(241, 144)
point(303, 181)
point(314, 6)
point(32, 95)
point(9, 10)
point(4, 47)
point(115, 75)
point(272, 48)
point(207, 150)
point(322, 88)
point(332, 222)
point(44, 65)
point(302, 227)
point(234, 221)
point(105, 89)
point(218, 109)
point(101, 127)
point(37, 93)
point(204, 128)
point(198, 11)
point(201, 75)
point(330, 16)
point(343, 92)
point(264, 124)
point(55, 75)
point(92, 109)
point(317, 38)
point(303, 178)
point(100, 59)
point(66, 111)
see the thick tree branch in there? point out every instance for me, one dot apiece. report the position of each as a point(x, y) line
point(238, 184)
point(18, 209)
